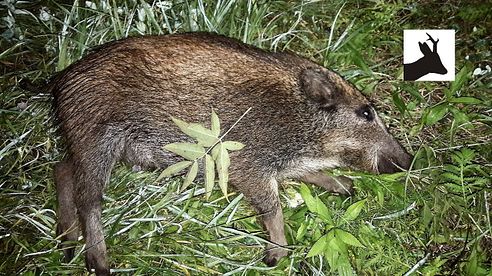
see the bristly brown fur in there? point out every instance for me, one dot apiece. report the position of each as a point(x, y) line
point(115, 105)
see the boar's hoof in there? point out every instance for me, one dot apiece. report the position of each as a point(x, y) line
point(68, 254)
point(344, 185)
point(68, 250)
point(91, 262)
point(273, 255)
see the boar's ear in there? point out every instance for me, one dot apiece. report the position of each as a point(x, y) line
point(318, 86)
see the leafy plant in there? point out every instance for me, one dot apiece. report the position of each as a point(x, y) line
point(208, 141)
point(334, 244)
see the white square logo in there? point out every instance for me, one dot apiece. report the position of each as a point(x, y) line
point(428, 55)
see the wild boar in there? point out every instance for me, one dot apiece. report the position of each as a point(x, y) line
point(116, 104)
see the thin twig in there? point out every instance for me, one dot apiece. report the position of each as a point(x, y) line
point(399, 213)
point(417, 265)
point(223, 135)
point(461, 146)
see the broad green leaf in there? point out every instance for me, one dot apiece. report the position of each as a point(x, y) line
point(398, 101)
point(318, 247)
point(347, 238)
point(393, 176)
point(353, 210)
point(322, 211)
point(233, 146)
point(472, 266)
point(189, 151)
point(465, 100)
point(436, 113)
point(345, 269)
point(459, 81)
point(173, 169)
point(190, 176)
point(308, 198)
point(209, 175)
point(332, 250)
point(203, 135)
point(459, 117)
point(332, 257)
point(215, 122)
point(413, 90)
point(426, 217)
point(336, 244)
point(380, 196)
point(301, 231)
point(315, 204)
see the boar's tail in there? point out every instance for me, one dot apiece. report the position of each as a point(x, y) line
point(38, 86)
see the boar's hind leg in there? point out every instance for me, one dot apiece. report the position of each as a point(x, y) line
point(264, 198)
point(338, 184)
point(91, 179)
point(67, 227)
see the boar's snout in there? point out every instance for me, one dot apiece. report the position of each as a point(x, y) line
point(394, 159)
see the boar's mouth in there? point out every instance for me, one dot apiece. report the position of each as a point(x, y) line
point(393, 164)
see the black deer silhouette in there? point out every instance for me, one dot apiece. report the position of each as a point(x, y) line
point(429, 63)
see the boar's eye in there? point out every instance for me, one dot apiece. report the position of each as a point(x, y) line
point(365, 112)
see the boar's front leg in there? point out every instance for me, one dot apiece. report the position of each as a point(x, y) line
point(273, 222)
point(335, 184)
point(263, 196)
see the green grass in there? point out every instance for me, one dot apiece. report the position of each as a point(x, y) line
point(435, 220)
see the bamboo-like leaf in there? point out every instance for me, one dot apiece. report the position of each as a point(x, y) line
point(203, 135)
point(233, 146)
point(215, 151)
point(222, 158)
point(209, 175)
point(181, 124)
point(190, 176)
point(223, 179)
point(189, 151)
point(222, 162)
point(173, 169)
point(215, 123)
